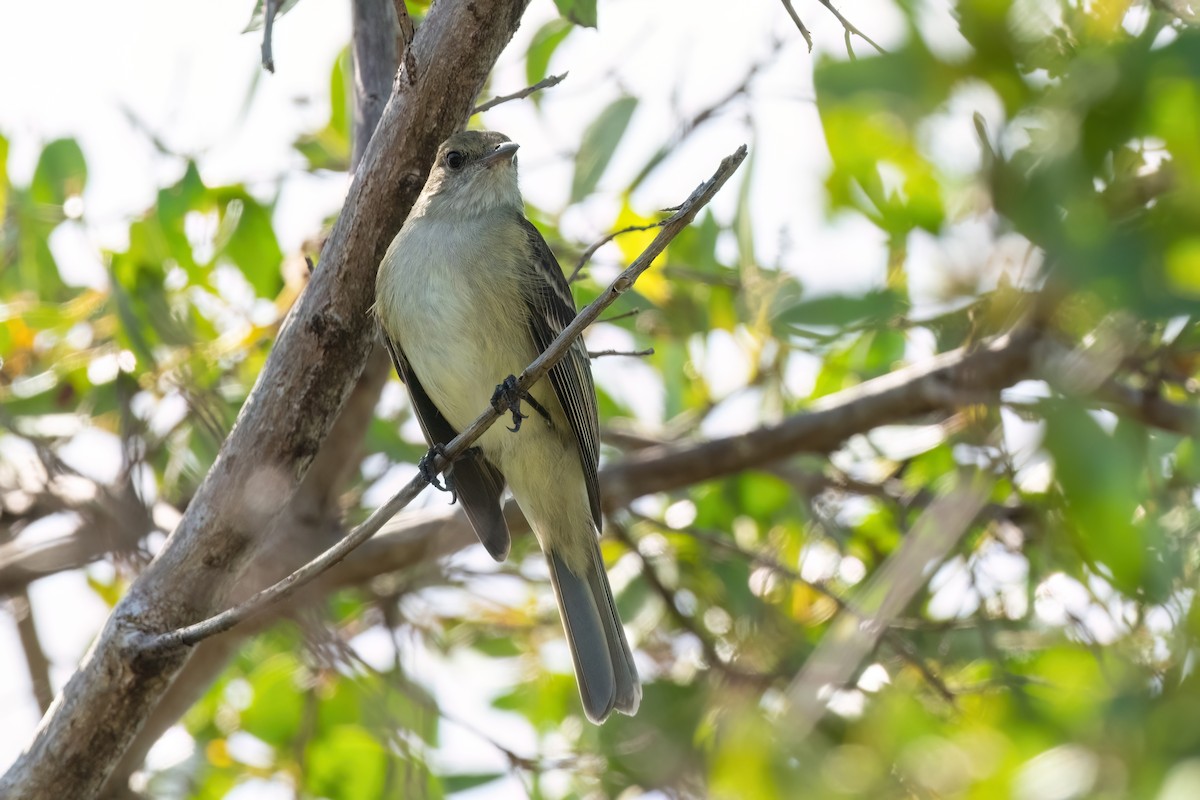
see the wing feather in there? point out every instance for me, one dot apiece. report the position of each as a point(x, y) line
point(551, 308)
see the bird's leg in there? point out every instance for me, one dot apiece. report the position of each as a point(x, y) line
point(425, 467)
point(507, 399)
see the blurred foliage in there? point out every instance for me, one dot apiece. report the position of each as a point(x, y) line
point(1051, 656)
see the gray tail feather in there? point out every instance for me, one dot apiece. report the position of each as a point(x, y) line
point(603, 664)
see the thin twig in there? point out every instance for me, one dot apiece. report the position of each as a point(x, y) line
point(689, 126)
point(596, 245)
point(191, 634)
point(35, 656)
point(404, 39)
point(268, 61)
point(649, 351)
point(544, 83)
point(849, 26)
point(796, 19)
point(633, 312)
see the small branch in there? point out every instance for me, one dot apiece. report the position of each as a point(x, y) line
point(1150, 408)
point(649, 351)
point(545, 83)
point(191, 634)
point(35, 656)
point(850, 29)
point(692, 124)
point(268, 60)
point(800, 25)
point(633, 312)
point(827, 422)
point(596, 245)
point(404, 39)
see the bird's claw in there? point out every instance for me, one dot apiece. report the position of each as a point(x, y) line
point(507, 399)
point(425, 467)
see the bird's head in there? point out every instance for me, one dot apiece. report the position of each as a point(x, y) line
point(475, 172)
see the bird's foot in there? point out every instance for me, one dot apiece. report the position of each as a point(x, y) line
point(425, 467)
point(507, 399)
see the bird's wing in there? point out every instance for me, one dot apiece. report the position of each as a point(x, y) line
point(474, 479)
point(551, 308)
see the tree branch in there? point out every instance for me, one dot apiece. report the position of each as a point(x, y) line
point(850, 29)
point(268, 60)
point(897, 396)
point(544, 83)
point(317, 356)
point(35, 656)
point(799, 25)
point(649, 351)
point(603, 240)
point(312, 519)
point(373, 44)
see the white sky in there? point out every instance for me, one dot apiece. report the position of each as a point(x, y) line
point(186, 73)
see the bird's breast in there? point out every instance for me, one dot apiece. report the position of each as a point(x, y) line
point(450, 295)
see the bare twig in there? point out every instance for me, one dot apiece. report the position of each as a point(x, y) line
point(35, 656)
point(850, 29)
point(544, 83)
point(649, 351)
point(404, 39)
point(268, 60)
point(800, 25)
point(690, 125)
point(633, 312)
point(603, 240)
point(197, 632)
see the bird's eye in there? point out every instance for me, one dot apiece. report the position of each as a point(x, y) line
point(455, 159)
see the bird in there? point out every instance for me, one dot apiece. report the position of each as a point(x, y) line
point(467, 295)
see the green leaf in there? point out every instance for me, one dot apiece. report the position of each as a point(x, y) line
point(497, 646)
point(258, 17)
point(841, 310)
point(275, 712)
point(1099, 476)
point(600, 141)
point(541, 50)
point(545, 702)
point(348, 763)
point(763, 496)
point(468, 780)
point(581, 12)
point(3, 176)
point(329, 148)
point(60, 173)
point(252, 245)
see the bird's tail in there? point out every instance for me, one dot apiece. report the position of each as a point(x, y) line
point(603, 664)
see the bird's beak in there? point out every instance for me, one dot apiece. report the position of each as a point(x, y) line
point(503, 152)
